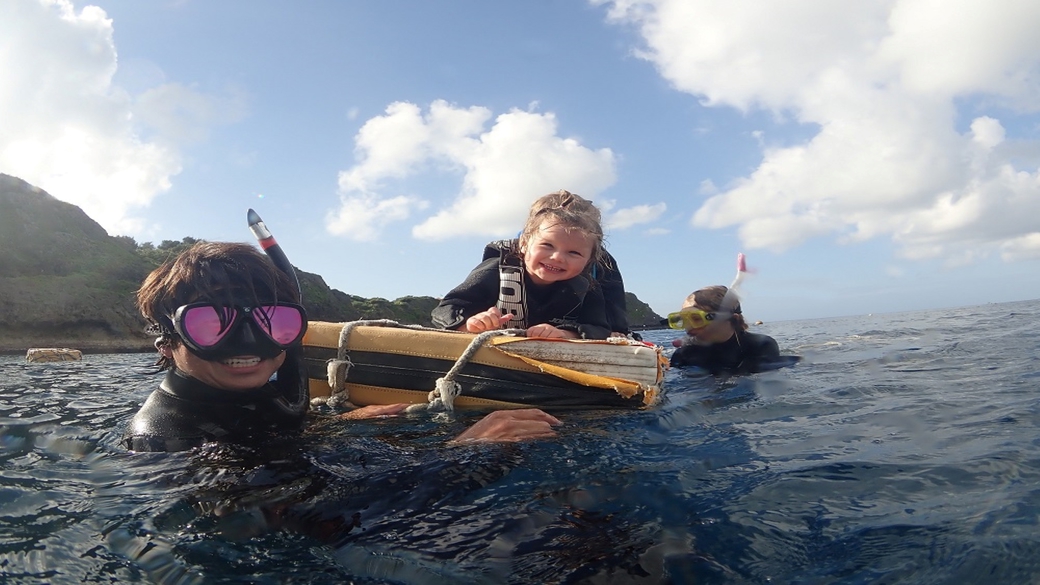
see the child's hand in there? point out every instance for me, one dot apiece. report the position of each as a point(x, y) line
point(546, 330)
point(487, 321)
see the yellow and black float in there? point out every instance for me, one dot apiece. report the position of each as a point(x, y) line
point(385, 362)
point(53, 354)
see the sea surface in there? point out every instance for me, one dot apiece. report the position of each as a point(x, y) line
point(904, 448)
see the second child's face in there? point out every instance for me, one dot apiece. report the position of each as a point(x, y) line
point(553, 253)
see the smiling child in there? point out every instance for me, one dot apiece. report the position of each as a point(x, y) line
point(540, 281)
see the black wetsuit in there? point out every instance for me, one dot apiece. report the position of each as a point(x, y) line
point(606, 275)
point(575, 304)
point(609, 278)
point(744, 353)
point(184, 413)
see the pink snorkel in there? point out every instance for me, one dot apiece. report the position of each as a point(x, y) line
point(733, 295)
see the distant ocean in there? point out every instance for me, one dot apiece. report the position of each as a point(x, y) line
point(905, 448)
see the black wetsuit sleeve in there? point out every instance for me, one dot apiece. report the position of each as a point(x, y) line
point(761, 351)
point(574, 305)
point(768, 348)
point(613, 287)
point(592, 318)
point(688, 356)
point(479, 292)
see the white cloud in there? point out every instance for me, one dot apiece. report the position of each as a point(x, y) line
point(67, 129)
point(632, 216)
point(987, 132)
point(363, 217)
point(1026, 247)
point(885, 83)
point(503, 169)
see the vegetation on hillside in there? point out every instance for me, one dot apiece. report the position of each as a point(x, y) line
point(156, 255)
point(65, 281)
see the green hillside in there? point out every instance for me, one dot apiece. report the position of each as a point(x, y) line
point(64, 282)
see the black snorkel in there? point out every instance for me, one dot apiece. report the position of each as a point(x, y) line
point(272, 248)
point(292, 376)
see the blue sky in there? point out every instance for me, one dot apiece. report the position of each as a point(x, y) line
point(867, 156)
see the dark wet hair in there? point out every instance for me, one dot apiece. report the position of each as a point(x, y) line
point(218, 272)
point(573, 213)
point(712, 297)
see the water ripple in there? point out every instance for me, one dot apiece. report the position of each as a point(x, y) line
point(904, 448)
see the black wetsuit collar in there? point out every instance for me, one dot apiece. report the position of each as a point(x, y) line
point(185, 387)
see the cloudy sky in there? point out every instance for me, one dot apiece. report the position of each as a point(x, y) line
point(867, 156)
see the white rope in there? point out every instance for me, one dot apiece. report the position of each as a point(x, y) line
point(446, 389)
point(338, 367)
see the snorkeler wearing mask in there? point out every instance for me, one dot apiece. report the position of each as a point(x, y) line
point(717, 337)
point(229, 326)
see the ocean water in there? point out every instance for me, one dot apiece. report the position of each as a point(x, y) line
point(905, 448)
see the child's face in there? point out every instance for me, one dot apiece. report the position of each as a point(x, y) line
point(553, 253)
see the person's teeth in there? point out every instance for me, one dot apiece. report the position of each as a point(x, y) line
point(241, 362)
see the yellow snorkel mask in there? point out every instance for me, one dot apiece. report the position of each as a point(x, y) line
point(695, 318)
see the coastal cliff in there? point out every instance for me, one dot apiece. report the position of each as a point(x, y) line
point(64, 282)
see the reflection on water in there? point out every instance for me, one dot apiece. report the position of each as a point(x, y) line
point(903, 449)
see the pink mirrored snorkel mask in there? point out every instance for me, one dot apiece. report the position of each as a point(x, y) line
point(213, 331)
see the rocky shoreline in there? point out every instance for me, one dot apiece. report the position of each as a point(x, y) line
point(21, 345)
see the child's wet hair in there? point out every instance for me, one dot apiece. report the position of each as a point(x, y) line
point(574, 213)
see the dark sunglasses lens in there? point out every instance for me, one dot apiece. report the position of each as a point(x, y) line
point(207, 325)
point(283, 324)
